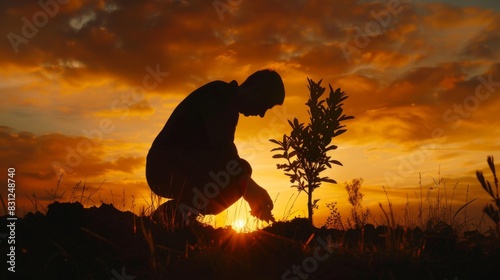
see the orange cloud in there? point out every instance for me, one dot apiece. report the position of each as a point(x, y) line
point(42, 159)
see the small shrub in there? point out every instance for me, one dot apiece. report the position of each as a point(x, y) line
point(489, 209)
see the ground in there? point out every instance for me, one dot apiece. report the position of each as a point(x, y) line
point(73, 242)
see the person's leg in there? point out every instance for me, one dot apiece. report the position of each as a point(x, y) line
point(164, 172)
point(167, 177)
point(199, 182)
point(168, 214)
point(214, 184)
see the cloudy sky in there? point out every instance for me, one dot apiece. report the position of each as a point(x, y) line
point(85, 86)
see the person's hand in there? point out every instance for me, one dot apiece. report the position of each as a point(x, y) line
point(260, 202)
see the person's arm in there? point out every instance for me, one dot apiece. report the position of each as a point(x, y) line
point(221, 117)
point(259, 200)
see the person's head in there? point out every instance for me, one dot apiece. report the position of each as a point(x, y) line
point(260, 92)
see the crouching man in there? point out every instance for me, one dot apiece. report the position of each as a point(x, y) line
point(193, 160)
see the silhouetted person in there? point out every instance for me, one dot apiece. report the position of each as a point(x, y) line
point(194, 161)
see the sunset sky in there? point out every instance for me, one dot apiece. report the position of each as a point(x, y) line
point(85, 87)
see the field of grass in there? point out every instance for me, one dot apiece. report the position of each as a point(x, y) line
point(69, 241)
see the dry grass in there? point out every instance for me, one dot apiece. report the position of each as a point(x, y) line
point(437, 215)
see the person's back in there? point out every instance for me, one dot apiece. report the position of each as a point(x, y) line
point(186, 129)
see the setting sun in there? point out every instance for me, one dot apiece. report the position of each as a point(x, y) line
point(240, 226)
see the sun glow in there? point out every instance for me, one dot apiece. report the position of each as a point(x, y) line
point(240, 225)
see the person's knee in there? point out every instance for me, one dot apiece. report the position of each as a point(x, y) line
point(222, 187)
point(155, 179)
point(164, 174)
point(245, 166)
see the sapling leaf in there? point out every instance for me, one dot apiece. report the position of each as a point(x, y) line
point(276, 142)
point(328, 180)
point(335, 162)
point(332, 147)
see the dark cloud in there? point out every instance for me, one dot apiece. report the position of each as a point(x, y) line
point(485, 45)
point(487, 4)
point(421, 85)
point(121, 42)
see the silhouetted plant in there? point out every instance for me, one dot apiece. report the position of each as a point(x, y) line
point(359, 217)
point(334, 220)
point(489, 209)
point(305, 149)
